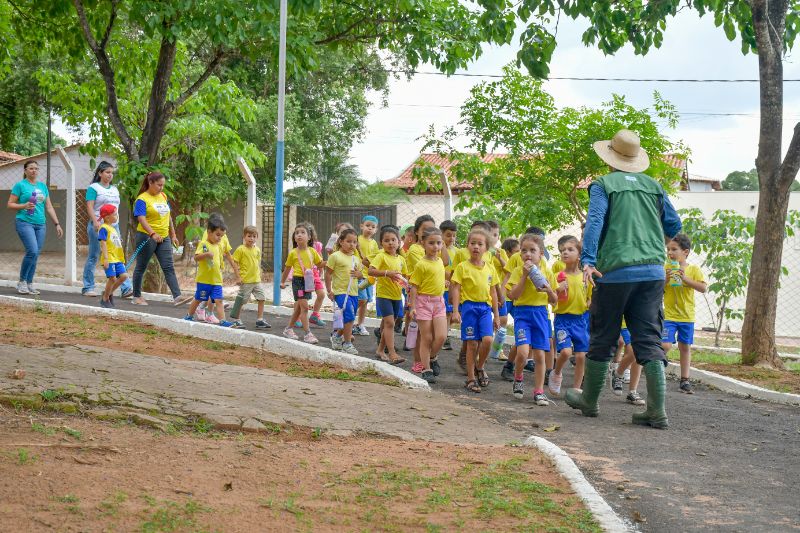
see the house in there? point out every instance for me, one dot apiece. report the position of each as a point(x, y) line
point(9, 157)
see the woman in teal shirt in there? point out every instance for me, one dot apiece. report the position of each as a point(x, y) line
point(30, 222)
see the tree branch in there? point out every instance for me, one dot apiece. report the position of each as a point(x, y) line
point(193, 88)
point(111, 20)
point(342, 33)
point(791, 163)
point(104, 65)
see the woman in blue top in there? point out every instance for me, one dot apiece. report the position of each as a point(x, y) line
point(100, 192)
point(29, 199)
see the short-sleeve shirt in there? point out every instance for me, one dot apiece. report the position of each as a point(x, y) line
point(249, 261)
point(577, 296)
point(116, 254)
point(224, 243)
point(451, 252)
point(368, 246)
point(308, 257)
point(341, 264)
point(679, 301)
point(428, 277)
point(530, 296)
point(155, 209)
point(414, 254)
point(476, 282)
point(101, 196)
point(23, 190)
point(499, 253)
point(209, 271)
point(516, 261)
point(386, 287)
point(558, 266)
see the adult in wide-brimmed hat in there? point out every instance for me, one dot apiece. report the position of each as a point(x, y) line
point(623, 253)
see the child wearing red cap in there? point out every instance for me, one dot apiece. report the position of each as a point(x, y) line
point(112, 254)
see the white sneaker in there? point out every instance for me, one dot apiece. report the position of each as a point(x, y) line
point(211, 319)
point(626, 376)
point(336, 342)
point(22, 288)
point(200, 314)
point(554, 383)
point(32, 290)
point(347, 347)
point(361, 330)
point(91, 293)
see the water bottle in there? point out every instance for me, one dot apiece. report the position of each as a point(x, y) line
point(497, 343)
point(33, 199)
point(411, 334)
point(674, 280)
point(563, 297)
point(331, 243)
point(210, 260)
point(538, 278)
point(338, 316)
point(308, 280)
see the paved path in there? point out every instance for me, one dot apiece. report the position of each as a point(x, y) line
point(726, 464)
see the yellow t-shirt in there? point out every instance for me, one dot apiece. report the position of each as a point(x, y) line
point(515, 261)
point(577, 297)
point(116, 254)
point(209, 271)
point(156, 212)
point(224, 243)
point(558, 266)
point(369, 247)
point(309, 257)
point(386, 287)
point(679, 301)
point(249, 261)
point(428, 277)
point(340, 265)
point(452, 251)
point(476, 282)
point(414, 254)
point(499, 253)
point(530, 296)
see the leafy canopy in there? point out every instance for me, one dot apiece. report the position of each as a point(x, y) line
point(740, 180)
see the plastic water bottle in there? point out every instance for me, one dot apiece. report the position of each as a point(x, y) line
point(33, 199)
point(338, 317)
point(497, 343)
point(674, 280)
point(308, 279)
point(563, 297)
point(537, 278)
point(411, 334)
point(331, 243)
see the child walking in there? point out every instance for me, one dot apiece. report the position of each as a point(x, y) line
point(415, 253)
point(473, 286)
point(209, 257)
point(319, 286)
point(342, 273)
point(531, 322)
point(627, 368)
point(389, 268)
point(572, 330)
point(248, 258)
point(449, 233)
point(112, 254)
point(301, 258)
point(427, 304)
point(682, 280)
point(368, 248)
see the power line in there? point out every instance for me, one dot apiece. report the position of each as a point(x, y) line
point(575, 78)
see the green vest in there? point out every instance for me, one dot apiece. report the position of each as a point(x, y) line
point(632, 232)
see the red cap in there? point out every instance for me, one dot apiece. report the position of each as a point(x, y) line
point(105, 211)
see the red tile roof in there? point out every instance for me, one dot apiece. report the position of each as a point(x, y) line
point(6, 157)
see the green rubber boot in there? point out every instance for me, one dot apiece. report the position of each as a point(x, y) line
point(237, 307)
point(593, 381)
point(655, 415)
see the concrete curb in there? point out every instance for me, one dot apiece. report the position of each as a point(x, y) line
point(261, 341)
point(608, 519)
point(736, 387)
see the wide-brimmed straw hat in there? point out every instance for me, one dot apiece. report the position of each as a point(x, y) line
point(623, 152)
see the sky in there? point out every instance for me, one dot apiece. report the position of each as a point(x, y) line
point(693, 48)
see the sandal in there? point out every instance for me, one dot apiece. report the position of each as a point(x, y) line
point(472, 386)
point(483, 377)
point(397, 361)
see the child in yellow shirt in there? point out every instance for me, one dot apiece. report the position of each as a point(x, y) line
point(389, 268)
point(300, 259)
point(248, 258)
point(112, 254)
point(209, 258)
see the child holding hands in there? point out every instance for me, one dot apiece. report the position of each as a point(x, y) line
point(342, 274)
point(112, 254)
point(389, 268)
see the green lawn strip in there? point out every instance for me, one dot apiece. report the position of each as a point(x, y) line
point(730, 364)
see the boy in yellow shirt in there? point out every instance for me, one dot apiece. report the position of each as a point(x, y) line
point(111, 253)
point(449, 232)
point(682, 280)
point(209, 274)
point(368, 247)
point(248, 257)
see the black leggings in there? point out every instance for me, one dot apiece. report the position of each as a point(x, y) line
point(163, 252)
point(640, 303)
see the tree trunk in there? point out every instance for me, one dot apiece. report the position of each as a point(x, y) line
point(159, 111)
point(758, 330)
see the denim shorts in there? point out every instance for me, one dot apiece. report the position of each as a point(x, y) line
point(366, 294)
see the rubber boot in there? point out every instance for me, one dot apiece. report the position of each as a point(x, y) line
point(237, 307)
point(593, 380)
point(655, 415)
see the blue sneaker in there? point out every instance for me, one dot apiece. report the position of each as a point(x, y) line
point(530, 366)
point(225, 324)
point(189, 318)
point(317, 320)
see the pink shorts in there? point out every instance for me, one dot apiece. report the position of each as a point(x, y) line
point(430, 307)
point(318, 285)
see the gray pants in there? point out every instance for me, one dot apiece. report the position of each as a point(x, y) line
point(163, 252)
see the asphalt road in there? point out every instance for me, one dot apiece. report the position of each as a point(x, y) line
point(725, 464)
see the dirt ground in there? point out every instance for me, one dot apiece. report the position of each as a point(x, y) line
point(68, 473)
point(26, 327)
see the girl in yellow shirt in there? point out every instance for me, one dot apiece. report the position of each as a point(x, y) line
point(302, 257)
point(389, 268)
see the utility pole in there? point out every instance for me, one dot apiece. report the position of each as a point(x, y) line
point(277, 256)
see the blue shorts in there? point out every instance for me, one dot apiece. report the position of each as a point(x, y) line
point(626, 336)
point(477, 321)
point(349, 308)
point(447, 305)
point(510, 308)
point(502, 310)
point(115, 269)
point(571, 332)
point(388, 307)
point(205, 291)
point(684, 331)
point(532, 327)
point(366, 294)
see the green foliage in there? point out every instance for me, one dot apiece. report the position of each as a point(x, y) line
point(541, 179)
point(740, 180)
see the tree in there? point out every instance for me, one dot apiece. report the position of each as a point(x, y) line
point(335, 182)
point(542, 179)
point(769, 29)
point(739, 180)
